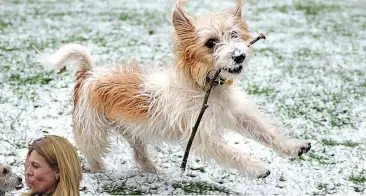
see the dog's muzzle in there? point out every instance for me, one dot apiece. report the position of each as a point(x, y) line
point(238, 56)
point(20, 183)
point(234, 70)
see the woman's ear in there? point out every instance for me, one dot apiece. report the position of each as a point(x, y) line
point(57, 173)
point(57, 176)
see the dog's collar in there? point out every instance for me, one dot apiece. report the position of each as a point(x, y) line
point(220, 81)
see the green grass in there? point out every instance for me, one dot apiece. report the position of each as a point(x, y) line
point(201, 169)
point(190, 188)
point(3, 25)
point(307, 52)
point(320, 159)
point(258, 90)
point(297, 159)
point(40, 78)
point(361, 179)
point(8, 49)
point(4, 68)
point(324, 188)
point(313, 8)
point(122, 189)
point(147, 18)
point(200, 188)
point(322, 114)
point(334, 143)
point(282, 9)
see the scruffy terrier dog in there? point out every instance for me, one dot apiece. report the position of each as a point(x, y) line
point(148, 105)
point(8, 180)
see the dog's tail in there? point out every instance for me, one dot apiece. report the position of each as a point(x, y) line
point(69, 52)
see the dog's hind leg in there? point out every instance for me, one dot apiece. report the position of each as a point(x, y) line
point(93, 145)
point(141, 155)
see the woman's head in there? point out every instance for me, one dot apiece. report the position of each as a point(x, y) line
point(52, 166)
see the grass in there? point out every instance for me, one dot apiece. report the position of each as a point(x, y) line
point(122, 189)
point(200, 188)
point(313, 8)
point(258, 90)
point(3, 24)
point(190, 188)
point(320, 159)
point(325, 189)
point(147, 18)
point(358, 179)
point(200, 169)
point(305, 43)
point(40, 78)
point(322, 111)
point(334, 143)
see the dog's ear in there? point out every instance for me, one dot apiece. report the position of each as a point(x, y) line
point(181, 21)
point(238, 8)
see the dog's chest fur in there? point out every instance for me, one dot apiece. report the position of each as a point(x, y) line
point(174, 106)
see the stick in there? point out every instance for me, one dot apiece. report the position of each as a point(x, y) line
point(205, 106)
point(194, 129)
point(260, 36)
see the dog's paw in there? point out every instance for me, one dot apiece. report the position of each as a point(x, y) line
point(95, 169)
point(257, 170)
point(151, 169)
point(295, 147)
point(304, 149)
point(264, 174)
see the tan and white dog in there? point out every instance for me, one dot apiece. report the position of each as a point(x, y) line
point(150, 105)
point(8, 179)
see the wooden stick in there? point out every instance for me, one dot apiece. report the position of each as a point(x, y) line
point(194, 129)
point(260, 36)
point(205, 106)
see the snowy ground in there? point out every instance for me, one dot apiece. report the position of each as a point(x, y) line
point(309, 75)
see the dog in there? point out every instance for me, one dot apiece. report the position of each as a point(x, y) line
point(9, 180)
point(147, 104)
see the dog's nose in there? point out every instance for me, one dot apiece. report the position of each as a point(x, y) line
point(238, 58)
point(19, 179)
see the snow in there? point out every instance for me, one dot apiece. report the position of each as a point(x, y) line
point(309, 75)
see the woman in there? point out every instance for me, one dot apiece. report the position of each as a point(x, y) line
point(52, 168)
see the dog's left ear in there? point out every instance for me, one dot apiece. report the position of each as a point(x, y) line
point(181, 21)
point(238, 8)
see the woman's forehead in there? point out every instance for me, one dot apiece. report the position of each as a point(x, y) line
point(35, 157)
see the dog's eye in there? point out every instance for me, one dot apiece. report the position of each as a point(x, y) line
point(211, 43)
point(5, 171)
point(234, 34)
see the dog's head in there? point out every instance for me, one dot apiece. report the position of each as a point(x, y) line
point(9, 180)
point(211, 42)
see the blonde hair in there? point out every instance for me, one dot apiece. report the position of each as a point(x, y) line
point(60, 154)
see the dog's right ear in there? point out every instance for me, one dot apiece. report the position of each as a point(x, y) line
point(181, 21)
point(238, 8)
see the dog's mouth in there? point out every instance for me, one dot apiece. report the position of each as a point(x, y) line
point(234, 70)
point(19, 186)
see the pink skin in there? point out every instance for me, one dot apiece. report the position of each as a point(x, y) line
point(39, 176)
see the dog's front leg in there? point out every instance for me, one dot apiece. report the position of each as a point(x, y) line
point(258, 128)
point(225, 155)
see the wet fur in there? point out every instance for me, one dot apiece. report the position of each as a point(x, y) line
point(150, 105)
point(8, 179)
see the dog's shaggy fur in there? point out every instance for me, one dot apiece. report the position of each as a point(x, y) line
point(147, 104)
point(8, 180)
